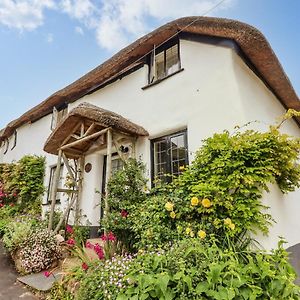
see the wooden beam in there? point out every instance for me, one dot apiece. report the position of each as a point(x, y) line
point(82, 129)
point(108, 169)
point(67, 191)
point(62, 218)
point(68, 167)
point(94, 135)
point(54, 190)
point(90, 129)
point(71, 132)
point(79, 188)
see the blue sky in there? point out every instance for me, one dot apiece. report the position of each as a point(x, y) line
point(47, 44)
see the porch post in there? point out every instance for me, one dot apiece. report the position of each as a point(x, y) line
point(108, 169)
point(54, 190)
point(79, 187)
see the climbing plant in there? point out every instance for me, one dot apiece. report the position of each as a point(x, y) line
point(24, 179)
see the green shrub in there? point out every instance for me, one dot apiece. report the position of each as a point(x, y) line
point(126, 193)
point(15, 233)
point(196, 270)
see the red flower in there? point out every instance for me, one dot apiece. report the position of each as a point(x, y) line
point(111, 237)
point(84, 266)
point(89, 245)
point(124, 213)
point(47, 274)
point(15, 195)
point(104, 237)
point(98, 249)
point(70, 229)
point(71, 242)
point(1, 205)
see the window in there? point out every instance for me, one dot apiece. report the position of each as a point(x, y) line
point(14, 140)
point(50, 185)
point(164, 61)
point(57, 115)
point(6, 145)
point(116, 165)
point(169, 155)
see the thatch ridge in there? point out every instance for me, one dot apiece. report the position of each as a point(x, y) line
point(251, 41)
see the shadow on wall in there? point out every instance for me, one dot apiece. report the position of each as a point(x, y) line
point(294, 255)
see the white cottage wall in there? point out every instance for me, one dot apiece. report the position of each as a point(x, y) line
point(215, 91)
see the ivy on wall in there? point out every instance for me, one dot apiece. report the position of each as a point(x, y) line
point(24, 178)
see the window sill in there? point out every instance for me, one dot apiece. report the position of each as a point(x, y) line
point(162, 79)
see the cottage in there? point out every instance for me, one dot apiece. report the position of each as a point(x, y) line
point(157, 99)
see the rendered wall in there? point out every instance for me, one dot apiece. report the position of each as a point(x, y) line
point(215, 91)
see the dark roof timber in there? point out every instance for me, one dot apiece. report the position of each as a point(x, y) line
point(251, 41)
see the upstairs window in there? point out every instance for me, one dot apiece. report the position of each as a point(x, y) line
point(57, 115)
point(164, 61)
point(169, 157)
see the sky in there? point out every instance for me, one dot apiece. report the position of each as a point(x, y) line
point(47, 44)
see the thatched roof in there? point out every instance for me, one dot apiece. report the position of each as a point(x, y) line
point(251, 41)
point(89, 114)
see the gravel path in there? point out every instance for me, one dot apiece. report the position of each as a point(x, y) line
point(10, 289)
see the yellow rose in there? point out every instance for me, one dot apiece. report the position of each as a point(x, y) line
point(227, 221)
point(206, 203)
point(169, 206)
point(192, 234)
point(172, 215)
point(232, 226)
point(194, 201)
point(188, 230)
point(201, 234)
point(181, 168)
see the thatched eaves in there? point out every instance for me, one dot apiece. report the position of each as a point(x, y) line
point(88, 114)
point(251, 41)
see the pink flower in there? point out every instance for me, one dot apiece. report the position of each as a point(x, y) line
point(89, 245)
point(124, 213)
point(84, 266)
point(47, 274)
point(15, 195)
point(70, 229)
point(104, 237)
point(98, 249)
point(108, 237)
point(111, 237)
point(71, 242)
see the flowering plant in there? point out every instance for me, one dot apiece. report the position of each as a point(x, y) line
point(39, 251)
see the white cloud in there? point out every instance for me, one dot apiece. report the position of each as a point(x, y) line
point(49, 38)
point(79, 30)
point(78, 9)
point(121, 21)
point(24, 14)
point(115, 22)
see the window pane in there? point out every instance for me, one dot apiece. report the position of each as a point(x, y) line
point(160, 65)
point(160, 159)
point(116, 165)
point(178, 154)
point(172, 60)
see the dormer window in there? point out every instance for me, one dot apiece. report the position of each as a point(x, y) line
point(164, 61)
point(58, 114)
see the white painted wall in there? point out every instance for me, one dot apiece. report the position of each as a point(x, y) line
point(215, 91)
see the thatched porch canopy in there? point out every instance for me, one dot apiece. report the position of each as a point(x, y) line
point(84, 126)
